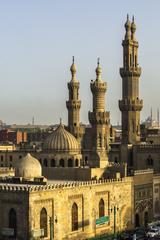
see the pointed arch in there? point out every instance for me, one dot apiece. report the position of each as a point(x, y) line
point(13, 221)
point(53, 163)
point(77, 162)
point(74, 217)
point(45, 162)
point(61, 162)
point(70, 162)
point(101, 208)
point(137, 222)
point(43, 221)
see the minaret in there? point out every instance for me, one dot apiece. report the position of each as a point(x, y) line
point(73, 104)
point(130, 105)
point(158, 117)
point(99, 119)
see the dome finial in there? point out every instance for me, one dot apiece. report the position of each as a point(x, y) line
point(60, 121)
point(73, 70)
point(98, 70)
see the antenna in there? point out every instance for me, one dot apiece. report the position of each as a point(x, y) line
point(33, 120)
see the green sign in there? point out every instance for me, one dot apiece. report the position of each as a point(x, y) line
point(38, 233)
point(102, 220)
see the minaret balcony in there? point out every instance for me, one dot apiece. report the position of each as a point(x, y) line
point(73, 85)
point(130, 72)
point(73, 104)
point(98, 86)
point(130, 105)
point(99, 118)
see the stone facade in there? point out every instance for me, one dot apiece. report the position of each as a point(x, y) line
point(58, 199)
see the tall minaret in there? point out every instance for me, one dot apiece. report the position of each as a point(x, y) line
point(73, 104)
point(99, 119)
point(130, 105)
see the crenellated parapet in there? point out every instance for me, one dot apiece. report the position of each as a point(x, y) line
point(98, 86)
point(52, 187)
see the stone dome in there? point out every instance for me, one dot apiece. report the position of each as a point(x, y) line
point(28, 167)
point(61, 140)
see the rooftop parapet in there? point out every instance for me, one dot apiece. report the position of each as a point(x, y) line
point(11, 187)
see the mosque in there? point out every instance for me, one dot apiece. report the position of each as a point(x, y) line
point(81, 185)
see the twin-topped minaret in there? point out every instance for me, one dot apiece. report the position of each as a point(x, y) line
point(130, 105)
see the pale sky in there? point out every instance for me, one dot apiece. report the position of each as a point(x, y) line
point(38, 39)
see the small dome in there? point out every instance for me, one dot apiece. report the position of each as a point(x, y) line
point(61, 140)
point(28, 167)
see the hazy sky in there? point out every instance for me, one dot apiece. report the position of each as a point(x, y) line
point(38, 39)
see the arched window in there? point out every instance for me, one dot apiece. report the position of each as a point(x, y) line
point(13, 221)
point(76, 163)
point(43, 221)
point(70, 162)
point(61, 162)
point(101, 208)
point(116, 160)
point(137, 224)
point(45, 162)
point(53, 163)
point(130, 60)
point(86, 160)
point(145, 219)
point(135, 61)
point(157, 207)
point(74, 217)
point(150, 161)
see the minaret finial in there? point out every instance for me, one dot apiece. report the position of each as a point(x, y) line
point(73, 70)
point(133, 28)
point(98, 70)
point(128, 28)
point(98, 59)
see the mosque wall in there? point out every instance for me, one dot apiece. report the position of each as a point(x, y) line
point(58, 201)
